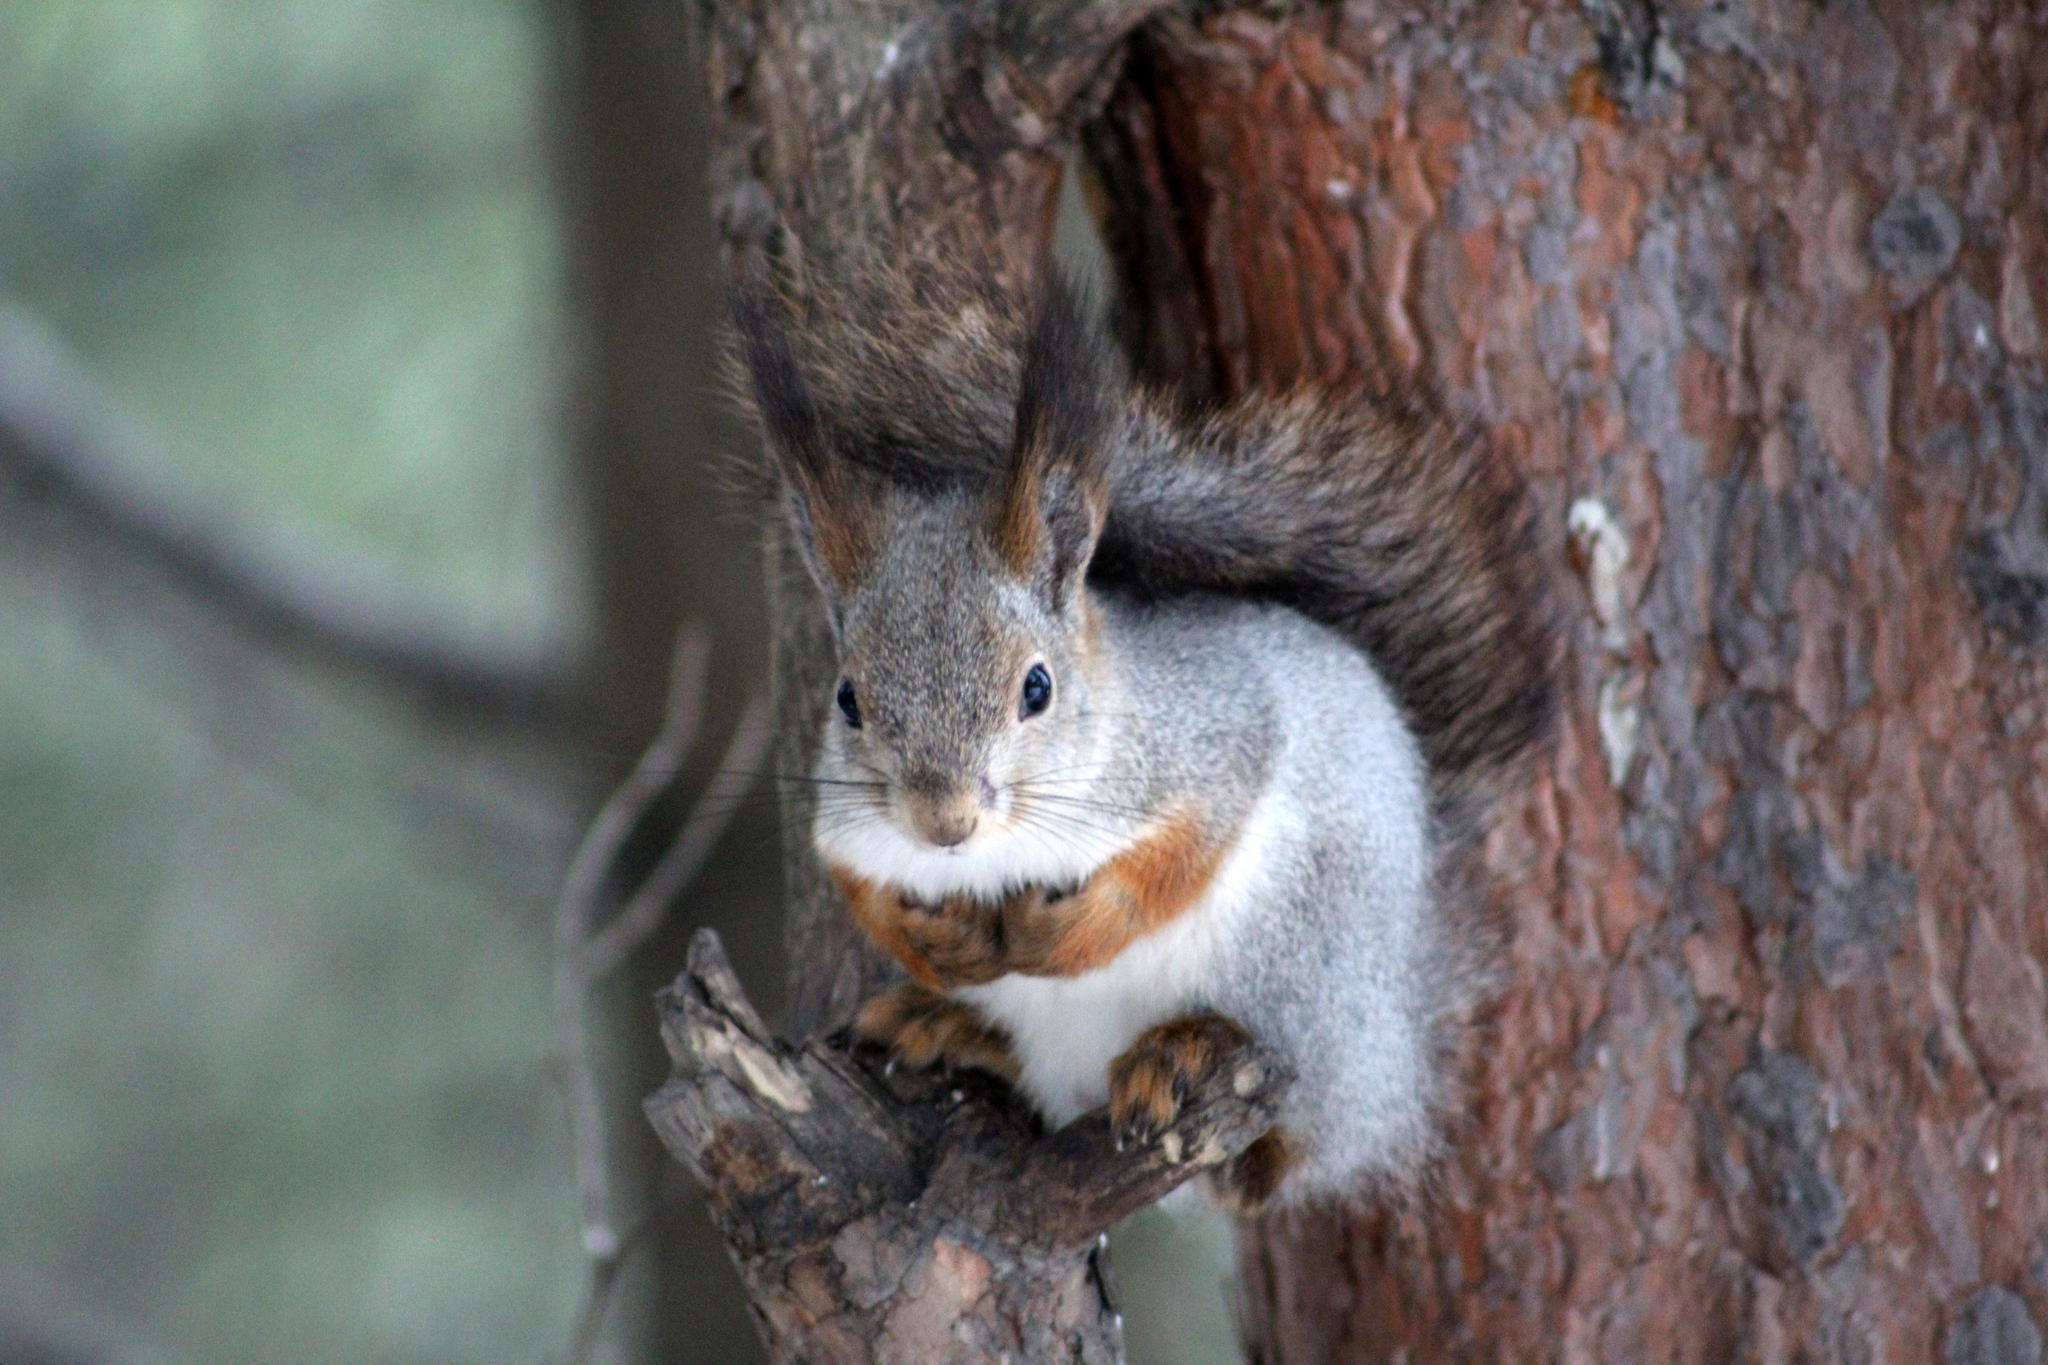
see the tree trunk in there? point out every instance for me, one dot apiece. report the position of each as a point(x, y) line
point(1754, 295)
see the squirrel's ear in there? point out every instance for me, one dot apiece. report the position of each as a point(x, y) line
point(1055, 490)
point(830, 506)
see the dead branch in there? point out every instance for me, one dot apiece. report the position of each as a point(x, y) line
point(585, 953)
point(644, 913)
point(907, 1216)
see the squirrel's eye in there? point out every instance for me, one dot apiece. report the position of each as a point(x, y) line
point(1037, 692)
point(849, 707)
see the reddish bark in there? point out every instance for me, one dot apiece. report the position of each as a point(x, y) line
point(1757, 293)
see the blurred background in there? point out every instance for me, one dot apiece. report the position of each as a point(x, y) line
point(359, 460)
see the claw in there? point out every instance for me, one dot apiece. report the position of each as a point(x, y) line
point(1152, 1083)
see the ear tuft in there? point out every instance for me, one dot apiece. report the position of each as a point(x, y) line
point(824, 499)
point(1055, 488)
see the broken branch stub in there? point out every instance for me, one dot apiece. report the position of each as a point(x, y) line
point(919, 1216)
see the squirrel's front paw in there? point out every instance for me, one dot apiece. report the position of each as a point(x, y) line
point(920, 1028)
point(959, 939)
point(1038, 929)
point(1154, 1076)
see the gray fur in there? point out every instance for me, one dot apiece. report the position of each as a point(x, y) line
point(1326, 945)
point(1320, 935)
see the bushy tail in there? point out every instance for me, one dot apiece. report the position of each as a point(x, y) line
point(1378, 518)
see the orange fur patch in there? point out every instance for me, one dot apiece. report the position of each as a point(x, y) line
point(1149, 1081)
point(840, 552)
point(1141, 889)
point(1019, 526)
point(837, 531)
point(878, 910)
point(922, 1028)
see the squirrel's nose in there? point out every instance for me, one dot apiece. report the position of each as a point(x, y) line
point(949, 829)
point(944, 818)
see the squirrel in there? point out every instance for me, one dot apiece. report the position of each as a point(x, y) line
point(1154, 730)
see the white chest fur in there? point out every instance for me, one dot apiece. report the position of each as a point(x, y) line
point(1067, 1030)
point(990, 864)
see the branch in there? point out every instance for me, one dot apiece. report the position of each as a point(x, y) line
point(698, 835)
point(914, 1216)
point(77, 442)
point(585, 954)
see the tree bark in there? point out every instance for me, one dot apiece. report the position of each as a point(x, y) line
point(1753, 294)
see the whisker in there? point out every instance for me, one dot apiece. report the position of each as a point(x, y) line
point(1082, 803)
point(801, 780)
point(1052, 820)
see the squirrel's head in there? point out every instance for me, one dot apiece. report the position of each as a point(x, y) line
point(957, 601)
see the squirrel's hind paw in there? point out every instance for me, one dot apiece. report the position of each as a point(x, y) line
point(1253, 1175)
point(1151, 1079)
point(921, 1028)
